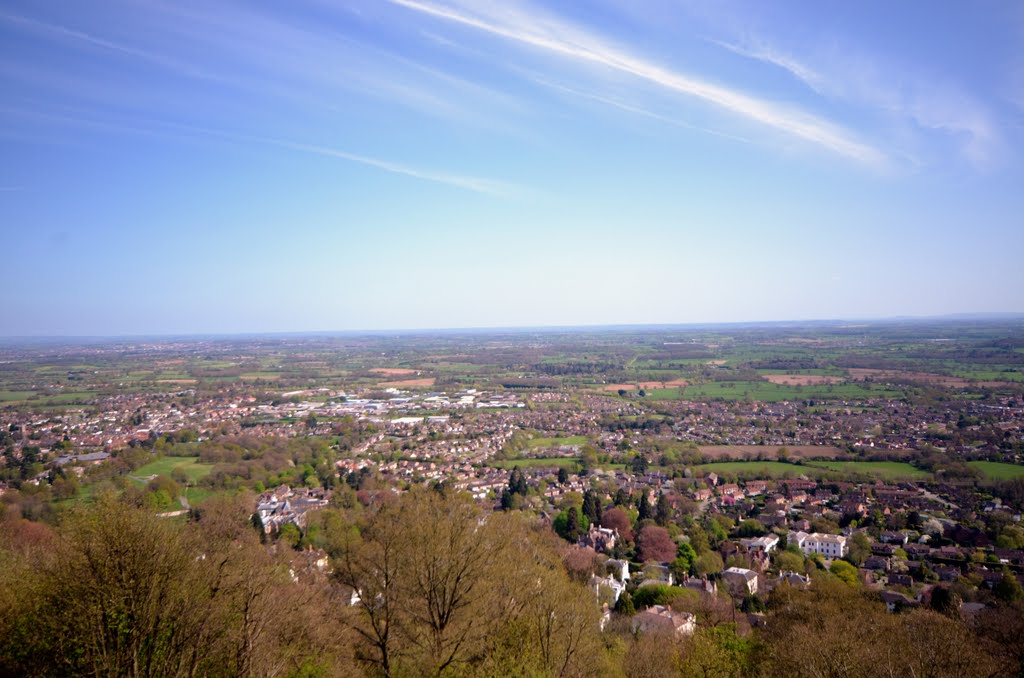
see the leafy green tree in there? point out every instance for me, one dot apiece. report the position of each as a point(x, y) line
point(1008, 588)
point(845, 572)
point(290, 534)
point(751, 528)
point(859, 548)
point(685, 562)
point(624, 605)
point(708, 563)
point(569, 524)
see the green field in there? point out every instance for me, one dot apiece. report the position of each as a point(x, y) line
point(765, 391)
point(886, 470)
point(995, 470)
point(194, 470)
point(764, 468)
point(6, 396)
point(566, 462)
point(538, 443)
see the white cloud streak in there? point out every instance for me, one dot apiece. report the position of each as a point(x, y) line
point(928, 102)
point(465, 182)
point(589, 49)
point(469, 183)
point(614, 103)
point(767, 54)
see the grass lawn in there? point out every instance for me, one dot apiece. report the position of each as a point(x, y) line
point(664, 393)
point(537, 443)
point(995, 470)
point(763, 468)
point(765, 391)
point(162, 467)
point(566, 462)
point(887, 470)
point(15, 395)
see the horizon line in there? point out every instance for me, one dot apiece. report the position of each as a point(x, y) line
point(976, 316)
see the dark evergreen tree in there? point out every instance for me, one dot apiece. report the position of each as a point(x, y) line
point(662, 511)
point(644, 507)
point(572, 525)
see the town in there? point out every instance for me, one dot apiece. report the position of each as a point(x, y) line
point(690, 482)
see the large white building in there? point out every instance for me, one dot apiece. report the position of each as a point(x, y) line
point(832, 546)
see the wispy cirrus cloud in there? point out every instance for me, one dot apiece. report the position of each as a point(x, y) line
point(638, 110)
point(771, 55)
point(468, 183)
point(931, 102)
point(121, 125)
point(561, 38)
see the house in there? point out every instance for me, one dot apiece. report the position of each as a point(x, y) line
point(611, 585)
point(876, 563)
point(899, 538)
point(656, 574)
point(618, 568)
point(904, 580)
point(832, 546)
point(664, 619)
point(896, 601)
point(742, 582)
point(755, 487)
point(765, 544)
point(601, 539)
point(794, 579)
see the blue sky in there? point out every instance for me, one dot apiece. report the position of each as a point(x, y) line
point(196, 166)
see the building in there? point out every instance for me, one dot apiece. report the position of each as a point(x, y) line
point(765, 544)
point(742, 582)
point(832, 546)
point(661, 618)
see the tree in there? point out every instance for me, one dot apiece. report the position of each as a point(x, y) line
point(787, 561)
point(569, 524)
point(517, 482)
point(644, 507)
point(592, 506)
point(563, 475)
point(946, 602)
point(859, 548)
point(639, 465)
point(624, 605)
point(572, 524)
point(618, 519)
point(751, 528)
point(685, 562)
point(708, 563)
point(1008, 588)
point(662, 511)
point(655, 545)
point(507, 499)
point(845, 572)
point(290, 535)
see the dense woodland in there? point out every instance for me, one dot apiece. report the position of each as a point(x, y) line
point(115, 591)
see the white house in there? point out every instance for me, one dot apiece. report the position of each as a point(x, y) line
point(832, 546)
